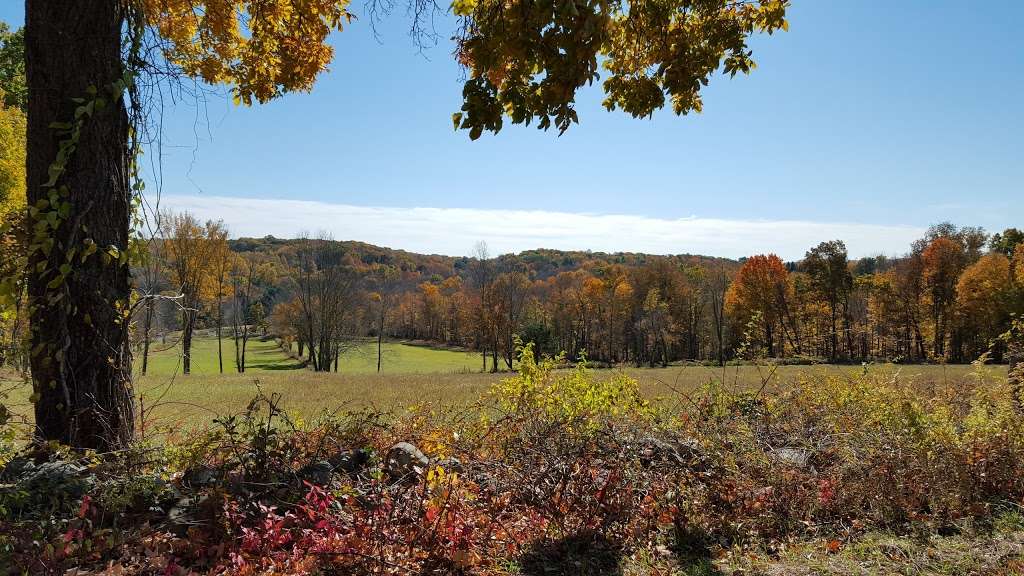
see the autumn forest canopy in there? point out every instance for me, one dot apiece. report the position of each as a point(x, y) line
point(948, 299)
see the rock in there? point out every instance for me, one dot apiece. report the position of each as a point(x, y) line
point(350, 462)
point(16, 468)
point(184, 513)
point(65, 477)
point(344, 462)
point(405, 460)
point(792, 457)
point(50, 485)
point(200, 476)
point(318, 473)
point(57, 470)
point(684, 451)
point(452, 464)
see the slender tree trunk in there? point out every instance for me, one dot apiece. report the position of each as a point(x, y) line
point(80, 361)
point(834, 352)
point(494, 353)
point(220, 322)
point(380, 334)
point(847, 328)
point(245, 344)
point(189, 320)
point(721, 343)
point(146, 328)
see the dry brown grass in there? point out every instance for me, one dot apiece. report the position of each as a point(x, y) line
point(187, 401)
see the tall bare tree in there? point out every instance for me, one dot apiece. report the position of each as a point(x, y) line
point(716, 285)
point(244, 316)
point(509, 296)
point(384, 278)
point(482, 271)
point(327, 287)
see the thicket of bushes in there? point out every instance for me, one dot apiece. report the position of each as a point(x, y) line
point(570, 471)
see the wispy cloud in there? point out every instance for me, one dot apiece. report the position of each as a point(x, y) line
point(454, 231)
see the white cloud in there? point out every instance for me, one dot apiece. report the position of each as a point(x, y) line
point(454, 231)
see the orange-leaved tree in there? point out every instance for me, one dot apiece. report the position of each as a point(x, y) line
point(757, 297)
point(984, 303)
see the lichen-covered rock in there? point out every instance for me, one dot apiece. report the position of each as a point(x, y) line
point(792, 457)
point(405, 460)
point(52, 485)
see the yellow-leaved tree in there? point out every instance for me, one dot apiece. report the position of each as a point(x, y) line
point(526, 59)
point(12, 161)
point(12, 253)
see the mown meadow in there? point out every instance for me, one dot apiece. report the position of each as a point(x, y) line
point(413, 375)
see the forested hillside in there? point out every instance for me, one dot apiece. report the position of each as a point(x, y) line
point(948, 298)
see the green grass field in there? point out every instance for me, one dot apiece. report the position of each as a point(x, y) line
point(411, 375)
point(165, 359)
point(401, 358)
point(265, 356)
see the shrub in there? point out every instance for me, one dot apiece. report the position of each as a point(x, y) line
point(574, 397)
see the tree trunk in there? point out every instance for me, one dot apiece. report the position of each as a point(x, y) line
point(245, 343)
point(494, 354)
point(81, 362)
point(833, 353)
point(188, 322)
point(220, 322)
point(147, 326)
point(380, 334)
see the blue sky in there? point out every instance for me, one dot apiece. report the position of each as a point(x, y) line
point(880, 116)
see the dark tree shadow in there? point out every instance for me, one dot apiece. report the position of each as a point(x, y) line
point(593, 554)
point(272, 360)
point(692, 552)
point(280, 366)
point(584, 554)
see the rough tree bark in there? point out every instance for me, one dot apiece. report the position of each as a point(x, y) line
point(81, 363)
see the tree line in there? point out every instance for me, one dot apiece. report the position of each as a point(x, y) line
point(948, 299)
